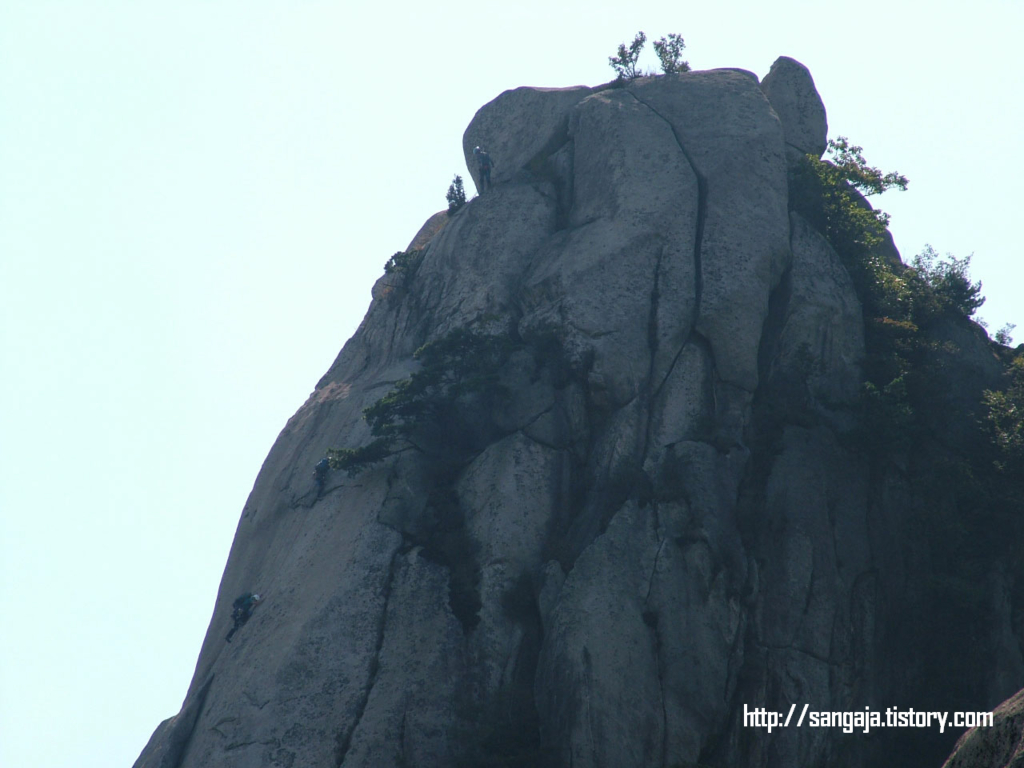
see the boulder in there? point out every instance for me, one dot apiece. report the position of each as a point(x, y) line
point(520, 129)
point(790, 89)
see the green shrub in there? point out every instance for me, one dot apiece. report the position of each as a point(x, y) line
point(403, 263)
point(456, 195)
point(949, 280)
point(1004, 335)
point(821, 190)
point(670, 54)
point(624, 63)
point(1004, 415)
point(848, 159)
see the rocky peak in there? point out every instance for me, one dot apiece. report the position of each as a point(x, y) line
point(790, 89)
point(602, 565)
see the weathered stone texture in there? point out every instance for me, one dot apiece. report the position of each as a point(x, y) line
point(790, 89)
point(660, 522)
point(998, 746)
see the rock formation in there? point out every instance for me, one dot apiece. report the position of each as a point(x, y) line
point(999, 745)
point(663, 518)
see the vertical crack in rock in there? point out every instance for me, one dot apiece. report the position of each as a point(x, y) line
point(652, 345)
point(588, 674)
point(345, 740)
point(651, 620)
point(651, 617)
point(402, 760)
point(661, 694)
point(702, 211)
point(698, 240)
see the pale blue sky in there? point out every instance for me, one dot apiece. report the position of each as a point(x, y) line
point(195, 198)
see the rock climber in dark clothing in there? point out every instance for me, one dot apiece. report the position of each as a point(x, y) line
point(241, 610)
point(484, 163)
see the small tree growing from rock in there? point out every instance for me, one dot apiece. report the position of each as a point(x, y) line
point(462, 365)
point(624, 63)
point(403, 263)
point(949, 280)
point(456, 195)
point(1004, 335)
point(670, 54)
point(822, 193)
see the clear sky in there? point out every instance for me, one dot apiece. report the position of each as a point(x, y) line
point(196, 197)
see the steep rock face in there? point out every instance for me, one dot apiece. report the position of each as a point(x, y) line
point(1000, 745)
point(660, 521)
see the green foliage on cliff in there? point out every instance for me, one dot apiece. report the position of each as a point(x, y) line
point(668, 49)
point(456, 195)
point(904, 310)
point(403, 264)
point(827, 193)
point(1004, 336)
point(625, 61)
point(461, 363)
point(670, 54)
point(461, 366)
point(902, 304)
point(1004, 415)
point(951, 286)
point(933, 444)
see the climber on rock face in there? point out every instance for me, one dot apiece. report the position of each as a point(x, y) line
point(241, 610)
point(320, 475)
point(484, 163)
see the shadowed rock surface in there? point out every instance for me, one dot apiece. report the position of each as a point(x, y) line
point(663, 519)
point(1000, 745)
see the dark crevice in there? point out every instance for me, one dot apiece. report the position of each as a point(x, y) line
point(542, 167)
point(650, 618)
point(506, 728)
point(671, 367)
point(241, 744)
point(657, 555)
point(447, 542)
point(394, 326)
point(535, 418)
point(402, 761)
point(345, 739)
point(778, 309)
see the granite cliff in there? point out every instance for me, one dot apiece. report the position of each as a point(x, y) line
point(663, 518)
